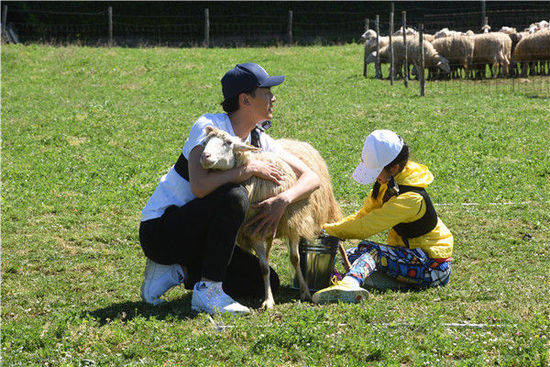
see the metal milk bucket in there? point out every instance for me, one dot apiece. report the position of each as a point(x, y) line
point(317, 262)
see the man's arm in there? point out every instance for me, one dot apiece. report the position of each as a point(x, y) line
point(271, 210)
point(204, 181)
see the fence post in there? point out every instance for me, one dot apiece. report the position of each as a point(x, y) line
point(290, 26)
point(483, 13)
point(392, 61)
point(4, 18)
point(206, 28)
point(421, 71)
point(110, 16)
point(406, 70)
point(377, 66)
point(367, 21)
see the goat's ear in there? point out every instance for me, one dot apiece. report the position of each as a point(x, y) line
point(243, 147)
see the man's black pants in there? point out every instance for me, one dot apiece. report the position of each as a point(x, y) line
point(201, 236)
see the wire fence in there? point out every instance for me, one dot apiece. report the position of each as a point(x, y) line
point(215, 29)
point(226, 24)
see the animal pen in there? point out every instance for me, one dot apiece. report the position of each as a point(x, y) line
point(509, 52)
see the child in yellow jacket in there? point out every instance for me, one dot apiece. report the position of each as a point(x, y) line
point(419, 247)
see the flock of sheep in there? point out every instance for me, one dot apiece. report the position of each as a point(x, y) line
point(447, 53)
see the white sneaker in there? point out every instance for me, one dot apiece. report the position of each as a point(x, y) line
point(158, 279)
point(209, 297)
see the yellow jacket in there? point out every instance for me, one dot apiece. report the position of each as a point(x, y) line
point(376, 216)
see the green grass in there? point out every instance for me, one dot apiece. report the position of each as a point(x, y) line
point(87, 133)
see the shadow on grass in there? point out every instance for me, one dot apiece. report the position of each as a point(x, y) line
point(179, 308)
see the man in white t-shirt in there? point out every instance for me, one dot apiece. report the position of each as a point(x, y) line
point(190, 223)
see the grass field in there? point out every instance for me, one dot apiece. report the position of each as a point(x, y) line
point(87, 133)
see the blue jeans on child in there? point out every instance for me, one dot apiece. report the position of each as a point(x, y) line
point(410, 267)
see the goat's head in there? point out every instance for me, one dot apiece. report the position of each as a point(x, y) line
point(220, 148)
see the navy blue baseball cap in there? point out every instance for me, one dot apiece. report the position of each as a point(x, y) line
point(245, 77)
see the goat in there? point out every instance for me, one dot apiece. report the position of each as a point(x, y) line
point(303, 218)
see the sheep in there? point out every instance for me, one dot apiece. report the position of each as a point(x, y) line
point(445, 32)
point(532, 29)
point(492, 48)
point(428, 37)
point(370, 40)
point(370, 37)
point(537, 27)
point(300, 219)
point(532, 48)
point(515, 37)
point(370, 44)
point(442, 33)
point(459, 50)
point(431, 58)
point(409, 31)
point(507, 30)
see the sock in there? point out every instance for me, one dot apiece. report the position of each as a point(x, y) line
point(350, 279)
point(362, 268)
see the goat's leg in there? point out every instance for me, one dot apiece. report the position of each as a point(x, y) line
point(261, 252)
point(295, 261)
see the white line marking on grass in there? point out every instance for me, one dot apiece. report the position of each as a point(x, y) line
point(449, 325)
point(494, 204)
point(382, 324)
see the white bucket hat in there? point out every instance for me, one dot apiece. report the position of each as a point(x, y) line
point(380, 149)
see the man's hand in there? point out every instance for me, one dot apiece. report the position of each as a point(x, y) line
point(267, 219)
point(261, 169)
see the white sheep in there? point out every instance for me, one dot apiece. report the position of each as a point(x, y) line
point(409, 31)
point(515, 37)
point(371, 44)
point(531, 49)
point(538, 26)
point(428, 37)
point(492, 48)
point(432, 59)
point(459, 50)
point(445, 32)
point(303, 218)
point(507, 30)
point(370, 40)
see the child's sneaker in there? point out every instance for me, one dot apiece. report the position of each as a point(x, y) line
point(346, 290)
point(158, 279)
point(209, 297)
